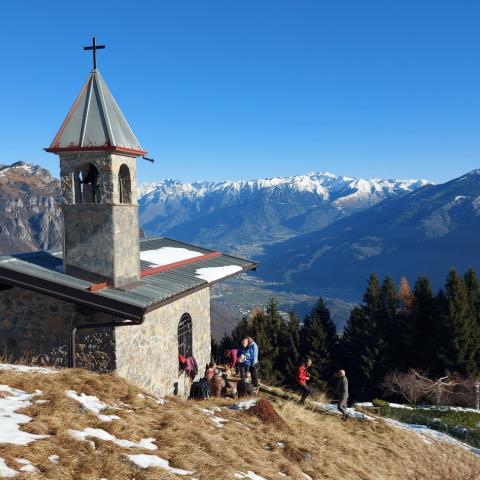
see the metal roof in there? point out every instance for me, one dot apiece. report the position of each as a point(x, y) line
point(95, 122)
point(43, 272)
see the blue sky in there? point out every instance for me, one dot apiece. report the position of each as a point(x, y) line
point(245, 89)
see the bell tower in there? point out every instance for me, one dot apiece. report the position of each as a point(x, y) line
point(98, 151)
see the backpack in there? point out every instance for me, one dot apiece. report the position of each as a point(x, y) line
point(200, 390)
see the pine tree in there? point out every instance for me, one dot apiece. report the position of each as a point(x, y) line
point(459, 327)
point(266, 329)
point(390, 329)
point(362, 344)
point(290, 349)
point(421, 332)
point(473, 292)
point(318, 341)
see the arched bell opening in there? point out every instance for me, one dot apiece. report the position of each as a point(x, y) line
point(124, 185)
point(87, 184)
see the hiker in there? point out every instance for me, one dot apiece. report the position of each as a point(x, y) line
point(210, 370)
point(232, 358)
point(303, 377)
point(342, 392)
point(245, 357)
point(253, 348)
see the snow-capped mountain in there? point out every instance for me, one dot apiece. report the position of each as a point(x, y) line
point(242, 216)
point(427, 231)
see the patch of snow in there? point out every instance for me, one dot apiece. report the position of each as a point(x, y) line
point(81, 435)
point(218, 421)
point(251, 475)
point(245, 405)
point(10, 421)
point(331, 408)
point(27, 465)
point(141, 395)
point(54, 458)
point(431, 434)
point(308, 477)
point(6, 472)
point(166, 255)
point(146, 461)
point(282, 474)
point(26, 369)
point(41, 402)
point(210, 274)
point(160, 401)
point(93, 404)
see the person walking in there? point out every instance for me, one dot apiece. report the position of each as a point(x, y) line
point(303, 377)
point(342, 392)
point(253, 347)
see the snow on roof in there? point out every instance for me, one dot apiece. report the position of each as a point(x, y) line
point(212, 274)
point(166, 255)
point(95, 122)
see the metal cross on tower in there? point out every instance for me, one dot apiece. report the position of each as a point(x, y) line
point(94, 47)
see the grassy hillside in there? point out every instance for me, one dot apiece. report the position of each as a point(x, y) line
point(92, 439)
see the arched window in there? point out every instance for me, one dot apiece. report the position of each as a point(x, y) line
point(124, 185)
point(185, 336)
point(87, 184)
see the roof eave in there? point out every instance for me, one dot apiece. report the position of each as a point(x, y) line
point(115, 149)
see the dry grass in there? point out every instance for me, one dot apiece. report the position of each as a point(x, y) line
point(318, 445)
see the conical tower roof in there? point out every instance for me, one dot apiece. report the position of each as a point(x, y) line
point(95, 122)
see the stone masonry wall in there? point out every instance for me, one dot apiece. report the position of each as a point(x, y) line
point(36, 327)
point(148, 354)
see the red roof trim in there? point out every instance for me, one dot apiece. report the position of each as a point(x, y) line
point(103, 148)
point(181, 263)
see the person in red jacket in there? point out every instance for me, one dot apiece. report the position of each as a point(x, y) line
point(303, 377)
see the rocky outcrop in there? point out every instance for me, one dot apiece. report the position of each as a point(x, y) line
point(30, 203)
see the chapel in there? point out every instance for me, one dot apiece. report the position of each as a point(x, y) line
point(110, 300)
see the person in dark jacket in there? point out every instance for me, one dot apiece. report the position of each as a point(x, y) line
point(303, 377)
point(342, 392)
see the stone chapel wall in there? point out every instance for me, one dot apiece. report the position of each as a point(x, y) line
point(36, 328)
point(148, 354)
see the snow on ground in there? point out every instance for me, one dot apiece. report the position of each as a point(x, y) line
point(308, 477)
point(146, 461)
point(54, 458)
point(26, 369)
point(81, 435)
point(27, 465)
point(445, 408)
point(6, 472)
point(245, 405)
point(10, 421)
point(251, 475)
point(331, 408)
point(93, 404)
point(166, 255)
point(210, 274)
point(218, 421)
point(431, 434)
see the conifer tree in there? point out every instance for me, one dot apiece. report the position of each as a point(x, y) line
point(362, 344)
point(290, 349)
point(390, 329)
point(473, 292)
point(318, 341)
point(421, 331)
point(459, 327)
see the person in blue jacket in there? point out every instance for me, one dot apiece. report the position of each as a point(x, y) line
point(253, 364)
point(245, 357)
